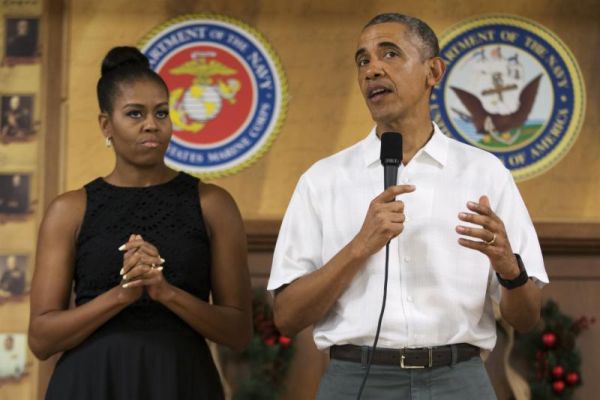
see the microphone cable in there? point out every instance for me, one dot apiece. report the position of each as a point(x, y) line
point(391, 158)
point(372, 351)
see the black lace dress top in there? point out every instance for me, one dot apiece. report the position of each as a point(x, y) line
point(145, 351)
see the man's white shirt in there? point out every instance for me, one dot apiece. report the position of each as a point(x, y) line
point(438, 291)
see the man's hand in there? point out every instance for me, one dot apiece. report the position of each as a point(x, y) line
point(520, 306)
point(493, 241)
point(384, 220)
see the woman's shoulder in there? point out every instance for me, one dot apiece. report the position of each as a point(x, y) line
point(70, 198)
point(213, 192)
point(70, 205)
point(217, 203)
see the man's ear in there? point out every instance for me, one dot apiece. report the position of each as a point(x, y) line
point(104, 122)
point(437, 68)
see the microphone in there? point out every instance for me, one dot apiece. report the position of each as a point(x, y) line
point(391, 157)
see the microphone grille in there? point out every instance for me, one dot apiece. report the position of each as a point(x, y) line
point(391, 148)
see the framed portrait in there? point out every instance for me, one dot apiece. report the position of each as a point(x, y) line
point(21, 40)
point(13, 273)
point(13, 356)
point(15, 192)
point(16, 118)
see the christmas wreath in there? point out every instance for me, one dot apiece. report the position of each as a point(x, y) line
point(554, 362)
point(268, 355)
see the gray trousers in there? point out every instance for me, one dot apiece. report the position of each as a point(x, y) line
point(467, 380)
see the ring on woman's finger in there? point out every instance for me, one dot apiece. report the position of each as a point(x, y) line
point(157, 267)
point(491, 241)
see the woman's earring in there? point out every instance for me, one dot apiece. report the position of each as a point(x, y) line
point(108, 142)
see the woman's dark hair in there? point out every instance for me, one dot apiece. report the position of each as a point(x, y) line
point(123, 65)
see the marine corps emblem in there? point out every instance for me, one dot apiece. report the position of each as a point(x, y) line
point(227, 92)
point(202, 101)
point(512, 88)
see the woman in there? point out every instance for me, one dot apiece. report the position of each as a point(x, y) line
point(145, 246)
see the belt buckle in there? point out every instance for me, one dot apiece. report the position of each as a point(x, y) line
point(429, 365)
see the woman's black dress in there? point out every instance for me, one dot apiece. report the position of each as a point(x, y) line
point(146, 351)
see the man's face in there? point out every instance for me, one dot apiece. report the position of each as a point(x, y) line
point(9, 343)
point(392, 73)
point(14, 103)
point(22, 27)
point(11, 262)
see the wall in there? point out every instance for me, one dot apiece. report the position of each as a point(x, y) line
point(21, 142)
point(572, 257)
point(316, 42)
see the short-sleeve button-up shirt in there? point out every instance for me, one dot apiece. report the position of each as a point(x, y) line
point(438, 291)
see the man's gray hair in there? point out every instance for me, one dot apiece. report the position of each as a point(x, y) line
point(430, 46)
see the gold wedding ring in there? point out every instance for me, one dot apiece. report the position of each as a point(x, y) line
point(491, 242)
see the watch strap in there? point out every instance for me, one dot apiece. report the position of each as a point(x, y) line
point(520, 280)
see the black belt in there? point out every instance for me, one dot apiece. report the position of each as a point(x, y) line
point(424, 357)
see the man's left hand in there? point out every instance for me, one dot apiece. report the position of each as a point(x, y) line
point(491, 237)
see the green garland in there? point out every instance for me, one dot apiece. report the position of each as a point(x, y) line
point(553, 360)
point(268, 355)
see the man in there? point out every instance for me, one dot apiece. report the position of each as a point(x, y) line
point(16, 120)
point(12, 280)
point(458, 225)
point(12, 355)
point(14, 193)
point(22, 41)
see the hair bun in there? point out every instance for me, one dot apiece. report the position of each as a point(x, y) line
point(121, 56)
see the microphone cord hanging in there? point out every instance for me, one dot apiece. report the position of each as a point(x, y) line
point(372, 351)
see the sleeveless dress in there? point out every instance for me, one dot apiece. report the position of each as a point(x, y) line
point(146, 351)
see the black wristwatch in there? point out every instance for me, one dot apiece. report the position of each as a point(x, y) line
point(520, 280)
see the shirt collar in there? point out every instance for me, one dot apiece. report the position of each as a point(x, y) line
point(371, 148)
point(436, 147)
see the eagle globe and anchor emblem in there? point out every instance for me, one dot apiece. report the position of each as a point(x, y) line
point(228, 92)
point(202, 101)
point(512, 88)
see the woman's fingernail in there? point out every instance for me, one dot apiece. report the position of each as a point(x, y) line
point(125, 285)
point(125, 277)
point(123, 247)
point(162, 260)
point(122, 271)
point(159, 268)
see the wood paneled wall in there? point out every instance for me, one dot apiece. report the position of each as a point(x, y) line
point(572, 258)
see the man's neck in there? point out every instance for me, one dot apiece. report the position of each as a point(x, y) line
point(414, 135)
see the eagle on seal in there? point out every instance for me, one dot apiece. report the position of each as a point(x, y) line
point(486, 122)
